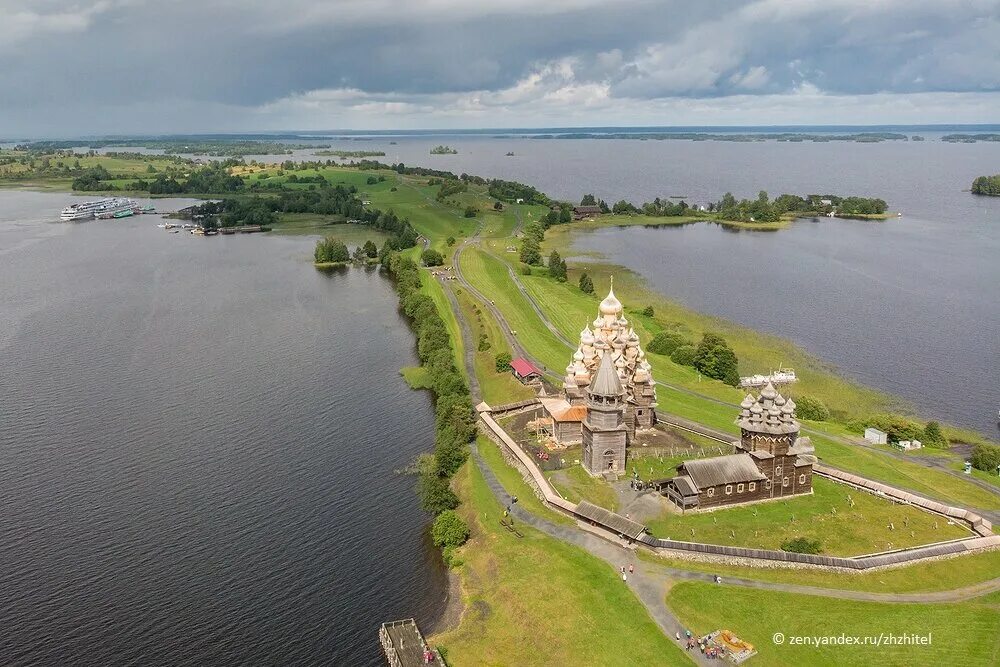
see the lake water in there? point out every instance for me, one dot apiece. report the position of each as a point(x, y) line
point(910, 305)
point(198, 446)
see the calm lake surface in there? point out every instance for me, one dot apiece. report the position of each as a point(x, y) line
point(197, 451)
point(910, 305)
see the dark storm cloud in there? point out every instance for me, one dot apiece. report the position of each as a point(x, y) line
point(108, 57)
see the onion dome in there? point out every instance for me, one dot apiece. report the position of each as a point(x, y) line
point(788, 410)
point(622, 322)
point(769, 392)
point(633, 338)
point(587, 336)
point(779, 400)
point(578, 355)
point(611, 305)
point(598, 323)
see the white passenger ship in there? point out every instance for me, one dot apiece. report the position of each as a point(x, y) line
point(87, 210)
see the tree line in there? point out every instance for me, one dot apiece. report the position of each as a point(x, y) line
point(455, 422)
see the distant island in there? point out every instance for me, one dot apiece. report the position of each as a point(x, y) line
point(861, 137)
point(969, 138)
point(345, 154)
point(443, 150)
point(194, 146)
point(987, 185)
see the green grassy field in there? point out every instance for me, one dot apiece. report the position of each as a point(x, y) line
point(497, 388)
point(961, 634)
point(574, 484)
point(537, 601)
point(826, 515)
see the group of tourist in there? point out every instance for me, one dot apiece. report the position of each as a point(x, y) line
point(709, 651)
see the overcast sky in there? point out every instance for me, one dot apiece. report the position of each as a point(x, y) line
point(73, 67)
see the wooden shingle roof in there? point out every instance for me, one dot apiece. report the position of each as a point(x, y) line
point(721, 470)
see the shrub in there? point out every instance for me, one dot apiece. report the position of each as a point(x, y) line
point(808, 407)
point(986, 457)
point(666, 342)
point(648, 311)
point(450, 240)
point(586, 284)
point(470, 211)
point(503, 362)
point(484, 343)
point(525, 270)
point(449, 530)
point(802, 545)
point(431, 257)
point(684, 355)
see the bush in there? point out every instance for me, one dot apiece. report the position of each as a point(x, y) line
point(802, 545)
point(471, 211)
point(525, 270)
point(986, 457)
point(431, 257)
point(450, 241)
point(666, 342)
point(503, 362)
point(484, 343)
point(808, 407)
point(684, 355)
point(586, 284)
point(648, 311)
point(449, 530)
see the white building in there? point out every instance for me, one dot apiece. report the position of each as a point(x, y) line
point(875, 436)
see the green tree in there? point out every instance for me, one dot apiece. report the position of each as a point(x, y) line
point(370, 249)
point(933, 436)
point(684, 355)
point(502, 362)
point(986, 457)
point(586, 284)
point(431, 257)
point(531, 251)
point(450, 241)
point(666, 342)
point(557, 267)
point(648, 311)
point(588, 200)
point(808, 407)
point(471, 211)
point(715, 359)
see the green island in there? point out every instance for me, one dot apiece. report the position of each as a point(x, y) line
point(986, 185)
point(346, 153)
point(524, 589)
point(444, 150)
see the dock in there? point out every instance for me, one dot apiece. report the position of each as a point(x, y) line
point(404, 646)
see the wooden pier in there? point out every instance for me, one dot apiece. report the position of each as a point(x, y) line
point(404, 646)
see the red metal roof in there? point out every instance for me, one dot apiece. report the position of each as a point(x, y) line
point(523, 367)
